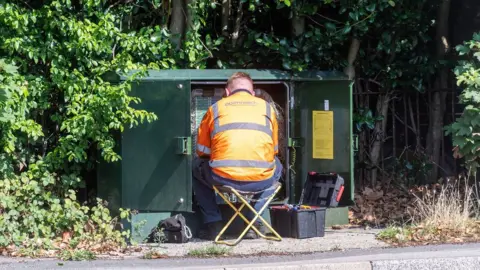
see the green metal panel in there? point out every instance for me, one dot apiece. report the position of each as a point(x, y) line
point(308, 96)
point(109, 184)
point(336, 216)
point(317, 75)
point(156, 161)
point(223, 74)
point(142, 224)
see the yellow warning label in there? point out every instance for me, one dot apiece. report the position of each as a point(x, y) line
point(322, 128)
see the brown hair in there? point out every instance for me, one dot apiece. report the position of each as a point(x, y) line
point(239, 75)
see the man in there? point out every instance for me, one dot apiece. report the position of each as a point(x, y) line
point(237, 144)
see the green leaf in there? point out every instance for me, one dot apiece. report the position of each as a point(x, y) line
point(219, 41)
point(10, 69)
point(156, 37)
point(462, 50)
point(391, 3)
point(409, 166)
point(371, 7)
point(191, 56)
point(354, 15)
point(330, 26)
point(347, 29)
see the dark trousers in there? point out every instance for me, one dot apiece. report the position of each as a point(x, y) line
point(204, 179)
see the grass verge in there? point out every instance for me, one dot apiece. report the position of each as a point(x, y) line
point(210, 251)
point(444, 215)
point(76, 255)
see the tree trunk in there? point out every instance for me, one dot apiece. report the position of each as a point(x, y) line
point(379, 135)
point(435, 132)
point(352, 55)
point(226, 5)
point(362, 140)
point(177, 23)
point(238, 24)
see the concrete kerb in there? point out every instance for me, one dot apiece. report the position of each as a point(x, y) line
point(304, 265)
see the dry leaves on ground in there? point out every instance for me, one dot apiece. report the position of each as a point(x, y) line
point(67, 243)
point(373, 206)
point(420, 235)
point(381, 206)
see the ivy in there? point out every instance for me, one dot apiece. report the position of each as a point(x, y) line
point(56, 107)
point(465, 130)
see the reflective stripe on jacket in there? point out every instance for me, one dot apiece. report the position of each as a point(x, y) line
point(240, 134)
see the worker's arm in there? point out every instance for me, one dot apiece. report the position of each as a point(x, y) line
point(275, 131)
point(203, 135)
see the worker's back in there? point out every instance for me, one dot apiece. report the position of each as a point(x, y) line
point(243, 138)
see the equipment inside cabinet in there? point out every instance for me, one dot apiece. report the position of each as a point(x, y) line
point(205, 95)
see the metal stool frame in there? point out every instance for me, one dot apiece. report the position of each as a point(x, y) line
point(240, 195)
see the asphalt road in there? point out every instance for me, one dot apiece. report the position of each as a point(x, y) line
point(448, 257)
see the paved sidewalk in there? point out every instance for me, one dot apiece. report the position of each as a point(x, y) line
point(334, 240)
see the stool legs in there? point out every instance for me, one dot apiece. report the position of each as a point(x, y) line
point(244, 202)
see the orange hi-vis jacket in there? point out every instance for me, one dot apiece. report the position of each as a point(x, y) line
point(240, 135)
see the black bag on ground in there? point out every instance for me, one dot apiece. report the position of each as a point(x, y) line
point(175, 230)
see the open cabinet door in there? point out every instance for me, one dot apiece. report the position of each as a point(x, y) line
point(156, 157)
point(321, 129)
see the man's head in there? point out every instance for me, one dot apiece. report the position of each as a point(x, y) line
point(239, 80)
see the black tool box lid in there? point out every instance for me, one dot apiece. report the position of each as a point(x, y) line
point(322, 189)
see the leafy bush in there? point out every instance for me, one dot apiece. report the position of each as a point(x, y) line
point(466, 129)
point(56, 109)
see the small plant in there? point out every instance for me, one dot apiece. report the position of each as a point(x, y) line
point(210, 251)
point(159, 236)
point(363, 117)
point(76, 255)
point(138, 227)
point(154, 254)
point(29, 252)
point(413, 169)
point(74, 243)
point(336, 248)
point(394, 234)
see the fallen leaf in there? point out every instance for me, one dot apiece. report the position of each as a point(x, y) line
point(66, 237)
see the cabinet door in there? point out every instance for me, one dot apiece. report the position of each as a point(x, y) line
point(156, 171)
point(322, 124)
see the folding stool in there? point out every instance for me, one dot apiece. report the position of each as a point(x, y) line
point(241, 195)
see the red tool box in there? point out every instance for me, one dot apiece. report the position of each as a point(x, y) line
point(307, 219)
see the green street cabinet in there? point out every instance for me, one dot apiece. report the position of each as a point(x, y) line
point(154, 175)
